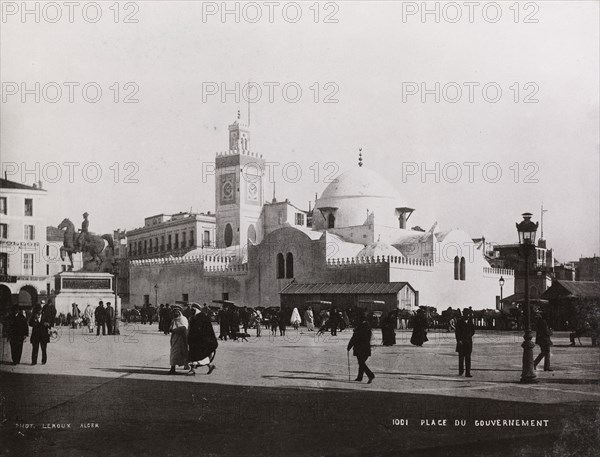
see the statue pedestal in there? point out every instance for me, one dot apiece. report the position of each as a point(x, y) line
point(84, 288)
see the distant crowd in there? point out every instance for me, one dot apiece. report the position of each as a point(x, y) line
point(194, 344)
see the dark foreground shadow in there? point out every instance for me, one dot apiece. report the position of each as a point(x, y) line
point(161, 418)
point(569, 381)
point(577, 346)
point(141, 370)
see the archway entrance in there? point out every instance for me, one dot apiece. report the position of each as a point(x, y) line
point(5, 299)
point(27, 297)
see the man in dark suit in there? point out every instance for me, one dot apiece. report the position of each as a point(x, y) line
point(40, 336)
point(464, 332)
point(100, 316)
point(48, 313)
point(17, 331)
point(333, 321)
point(110, 315)
point(542, 338)
point(361, 342)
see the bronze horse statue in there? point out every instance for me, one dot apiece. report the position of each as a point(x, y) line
point(94, 245)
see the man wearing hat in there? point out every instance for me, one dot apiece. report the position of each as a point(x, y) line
point(464, 332)
point(48, 313)
point(542, 338)
point(17, 330)
point(109, 313)
point(40, 337)
point(100, 315)
point(83, 232)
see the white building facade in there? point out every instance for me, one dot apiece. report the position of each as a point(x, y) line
point(358, 235)
point(29, 250)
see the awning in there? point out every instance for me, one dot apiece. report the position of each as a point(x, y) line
point(364, 288)
point(520, 298)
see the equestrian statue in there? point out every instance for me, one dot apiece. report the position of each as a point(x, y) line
point(94, 247)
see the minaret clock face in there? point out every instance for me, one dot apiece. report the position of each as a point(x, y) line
point(253, 192)
point(228, 189)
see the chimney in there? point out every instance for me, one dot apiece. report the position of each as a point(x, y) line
point(402, 220)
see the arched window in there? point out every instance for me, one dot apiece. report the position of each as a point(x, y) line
point(330, 221)
point(534, 292)
point(289, 265)
point(456, 268)
point(280, 266)
point(462, 269)
point(228, 235)
point(252, 233)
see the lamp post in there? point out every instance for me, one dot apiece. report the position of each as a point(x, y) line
point(116, 269)
point(156, 294)
point(501, 282)
point(527, 230)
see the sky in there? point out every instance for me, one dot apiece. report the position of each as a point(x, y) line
point(475, 116)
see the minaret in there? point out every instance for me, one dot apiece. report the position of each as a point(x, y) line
point(541, 240)
point(239, 192)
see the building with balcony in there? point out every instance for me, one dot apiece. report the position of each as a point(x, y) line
point(29, 249)
point(171, 235)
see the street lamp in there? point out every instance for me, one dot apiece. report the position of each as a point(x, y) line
point(156, 294)
point(527, 230)
point(501, 282)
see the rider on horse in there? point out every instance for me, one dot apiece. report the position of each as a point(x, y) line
point(83, 235)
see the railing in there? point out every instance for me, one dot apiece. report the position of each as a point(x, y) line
point(368, 260)
point(241, 151)
point(214, 259)
point(233, 268)
point(498, 271)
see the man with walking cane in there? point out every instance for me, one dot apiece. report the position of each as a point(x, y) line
point(361, 342)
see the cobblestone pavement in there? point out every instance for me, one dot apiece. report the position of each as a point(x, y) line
point(291, 395)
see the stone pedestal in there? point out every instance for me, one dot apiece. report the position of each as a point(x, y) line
point(83, 289)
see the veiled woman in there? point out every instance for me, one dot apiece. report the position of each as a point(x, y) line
point(387, 330)
point(89, 317)
point(179, 344)
point(295, 319)
point(202, 340)
point(419, 334)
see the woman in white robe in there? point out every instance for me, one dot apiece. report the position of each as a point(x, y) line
point(295, 319)
point(89, 316)
point(179, 343)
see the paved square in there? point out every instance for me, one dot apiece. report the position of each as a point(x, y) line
point(291, 396)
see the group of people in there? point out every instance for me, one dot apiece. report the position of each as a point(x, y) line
point(165, 317)
point(193, 340)
point(194, 344)
point(231, 318)
point(464, 330)
point(41, 321)
point(101, 318)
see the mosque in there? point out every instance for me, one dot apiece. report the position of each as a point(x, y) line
point(353, 248)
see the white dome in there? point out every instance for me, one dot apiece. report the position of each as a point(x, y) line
point(359, 182)
point(380, 249)
point(353, 194)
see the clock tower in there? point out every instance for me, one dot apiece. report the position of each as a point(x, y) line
point(239, 193)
